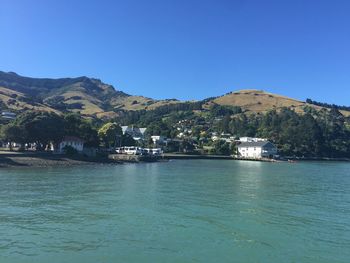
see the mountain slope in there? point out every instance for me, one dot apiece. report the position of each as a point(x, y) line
point(14, 100)
point(88, 96)
point(258, 101)
point(91, 97)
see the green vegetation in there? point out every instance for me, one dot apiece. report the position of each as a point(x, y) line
point(314, 133)
point(44, 128)
point(69, 150)
point(110, 134)
point(323, 133)
point(49, 109)
point(327, 105)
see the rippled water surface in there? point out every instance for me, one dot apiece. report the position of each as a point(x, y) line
point(179, 211)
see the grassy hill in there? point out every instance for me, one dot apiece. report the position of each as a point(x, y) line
point(17, 101)
point(92, 97)
point(258, 101)
point(89, 96)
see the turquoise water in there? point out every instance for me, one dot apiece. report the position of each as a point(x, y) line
point(179, 211)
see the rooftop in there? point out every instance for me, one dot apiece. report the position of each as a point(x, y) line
point(255, 144)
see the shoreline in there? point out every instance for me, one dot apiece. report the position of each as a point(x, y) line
point(225, 157)
point(32, 159)
point(174, 156)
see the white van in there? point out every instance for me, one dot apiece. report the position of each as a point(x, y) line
point(132, 150)
point(153, 151)
point(157, 151)
point(119, 150)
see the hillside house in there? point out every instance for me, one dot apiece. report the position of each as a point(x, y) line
point(136, 133)
point(257, 150)
point(158, 140)
point(8, 115)
point(252, 139)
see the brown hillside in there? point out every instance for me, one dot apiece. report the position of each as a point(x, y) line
point(14, 100)
point(259, 101)
point(91, 97)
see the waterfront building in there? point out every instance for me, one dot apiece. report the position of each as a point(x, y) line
point(257, 150)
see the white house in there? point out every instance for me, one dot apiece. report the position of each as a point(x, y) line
point(225, 137)
point(74, 142)
point(252, 139)
point(8, 115)
point(158, 139)
point(215, 138)
point(257, 150)
point(134, 132)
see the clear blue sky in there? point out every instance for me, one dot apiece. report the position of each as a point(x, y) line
point(185, 49)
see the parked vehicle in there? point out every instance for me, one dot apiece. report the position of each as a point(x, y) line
point(157, 151)
point(119, 150)
point(153, 151)
point(132, 150)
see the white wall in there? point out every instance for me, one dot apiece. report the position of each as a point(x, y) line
point(256, 152)
point(250, 152)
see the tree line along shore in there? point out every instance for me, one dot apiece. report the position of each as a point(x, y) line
point(188, 128)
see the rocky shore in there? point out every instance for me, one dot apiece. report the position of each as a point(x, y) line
point(34, 159)
point(16, 159)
